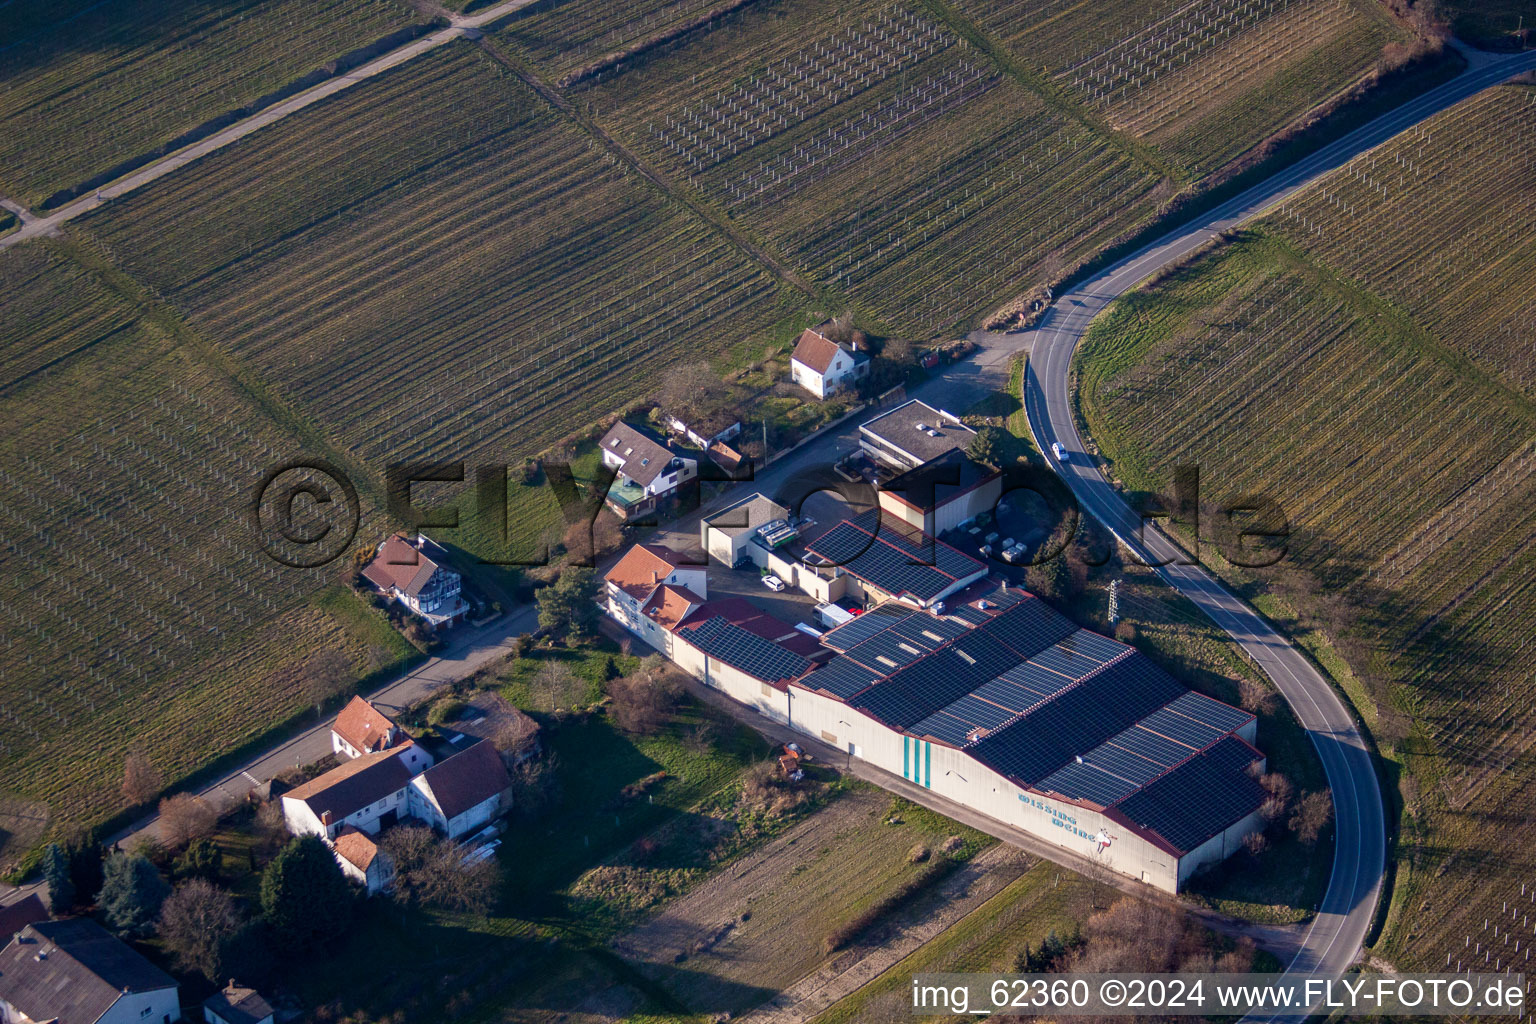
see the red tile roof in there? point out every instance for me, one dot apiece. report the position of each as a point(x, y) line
point(356, 847)
point(815, 350)
point(669, 605)
point(401, 566)
point(642, 569)
point(363, 726)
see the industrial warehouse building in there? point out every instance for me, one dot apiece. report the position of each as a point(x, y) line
point(989, 697)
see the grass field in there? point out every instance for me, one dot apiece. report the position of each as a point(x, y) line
point(1203, 82)
point(83, 86)
point(139, 608)
point(875, 147)
point(1492, 23)
point(1363, 357)
point(434, 282)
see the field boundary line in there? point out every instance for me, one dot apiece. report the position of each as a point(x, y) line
point(459, 27)
point(759, 252)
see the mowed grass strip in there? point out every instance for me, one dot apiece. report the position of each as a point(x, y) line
point(915, 178)
point(141, 611)
point(85, 85)
point(450, 269)
point(1356, 357)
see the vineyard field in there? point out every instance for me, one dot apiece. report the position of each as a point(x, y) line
point(432, 282)
point(878, 150)
point(1364, 357)
point(1202, 81)
point(136, 604)
point(561, 38)
point(86, 85)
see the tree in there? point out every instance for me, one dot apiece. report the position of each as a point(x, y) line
point(140, 779)
point(271, 828)
point(196, 922)
point(536, 787)
point(324, 675)
point(304, 896)
point(184, 818)
point(1278, 799)
point(554, 679)
point(61, 883)
point(131, 894)
point(203, 859)
point(431, 870)
point(1313, 814)
point(516, 736)
point(522, 645)
point(85, 863)
point(986, 447)
point(569, 606)
point(643, 700)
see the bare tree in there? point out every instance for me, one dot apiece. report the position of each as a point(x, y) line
point(432, 870)
point(644, 699)
point(324, 675)
point(183, 818)
point(141, 780)
point(195, 922)
point(1313, 814)
point(516, 735)
point(1278, 801)
point(271, 828)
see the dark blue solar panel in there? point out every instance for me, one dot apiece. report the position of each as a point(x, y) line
point(1036, 680)
point(1122, 762)
point(1226, 795)
point(1028, 627)
point(1153, 747)
point(1087, 782)
point(1092, 645)
point(865, 626)
point(1066, 660)
point(894, 562)
point(978, 712)
point(1177, 727)
point(970, 614)
point(841, 677)
point(927, 631)
point(762, 659)
point(943, 727)
point(1009, 695)
point(1077, 719)
point(1210, 712)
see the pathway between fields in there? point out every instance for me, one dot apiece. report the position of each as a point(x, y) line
point(461, 26)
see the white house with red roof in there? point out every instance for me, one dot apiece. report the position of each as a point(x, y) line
point(649, 591)
point(361, 728)
point(362, 861)
point(460, 794)
point(823, 366)
point(405, 570)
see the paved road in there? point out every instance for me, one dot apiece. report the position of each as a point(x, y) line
point(1334, 939)
point(460, 25)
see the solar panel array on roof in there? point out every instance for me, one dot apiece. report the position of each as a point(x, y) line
point(862, 627)
point(841, 677)
point(890, 560)
point(1077, 719)
point(1199, 799)
point(745, 651)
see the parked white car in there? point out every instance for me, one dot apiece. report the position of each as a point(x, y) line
point(773, 583)
point(1061, 453)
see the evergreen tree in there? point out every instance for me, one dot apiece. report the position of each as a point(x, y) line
point(131, 894)
point(61, 884)
point(85, 865)
point(203, 859)
point(304, 896)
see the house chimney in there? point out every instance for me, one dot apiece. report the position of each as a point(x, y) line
point(325, 818)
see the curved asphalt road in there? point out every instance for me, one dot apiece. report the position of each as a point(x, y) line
point(1335, 936)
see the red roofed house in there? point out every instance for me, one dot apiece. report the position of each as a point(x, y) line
point(459, 794)
point(402, 570)
point(362, 861)
point(650, 591)
point(824, 367)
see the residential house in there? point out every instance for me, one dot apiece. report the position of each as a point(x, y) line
point(76, 972)
point(367, 792)
point(824, 367)
point(16, 916)
point(360, 728)
point(236, 1004)
point(652, 577)
point(406, 571)
point(362, 861)
point(649, 471)
point(460, 794)
point(705, 429)
point(488, 715)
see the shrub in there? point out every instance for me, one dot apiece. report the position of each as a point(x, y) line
point(928, 875)
point(446, 710)
point(304, 896)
